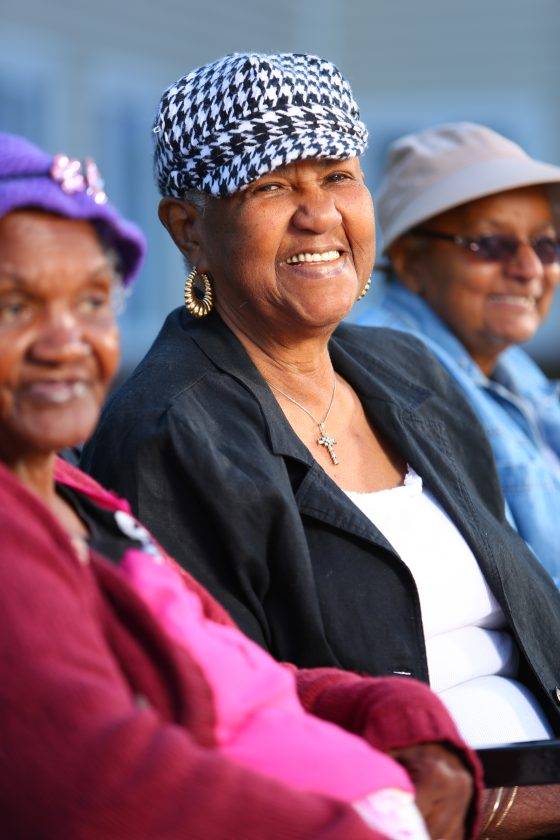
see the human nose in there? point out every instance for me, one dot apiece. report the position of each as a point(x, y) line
point(525, 265)
point(60, 338)
point(316, 212)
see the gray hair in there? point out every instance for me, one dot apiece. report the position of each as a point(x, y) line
point(199, 200)
point(119, 292)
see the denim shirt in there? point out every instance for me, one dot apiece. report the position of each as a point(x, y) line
point(519, 409)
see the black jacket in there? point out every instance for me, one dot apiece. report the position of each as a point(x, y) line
point(197, 443)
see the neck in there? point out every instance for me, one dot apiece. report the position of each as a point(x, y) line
point(36, 472)
point(299, 364)
point(486, 363)
point(486, 355)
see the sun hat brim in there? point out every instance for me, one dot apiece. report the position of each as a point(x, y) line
point(45, 194)
point(477, 180)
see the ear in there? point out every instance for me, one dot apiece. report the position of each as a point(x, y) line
point(407, 261)
point(183, 222)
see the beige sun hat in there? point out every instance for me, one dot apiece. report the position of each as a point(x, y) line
point(448, 165)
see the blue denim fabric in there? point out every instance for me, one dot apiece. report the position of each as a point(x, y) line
point(519, 409)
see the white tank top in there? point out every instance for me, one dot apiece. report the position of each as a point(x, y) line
point(472, 657)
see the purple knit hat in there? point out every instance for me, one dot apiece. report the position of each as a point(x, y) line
point(31, 178)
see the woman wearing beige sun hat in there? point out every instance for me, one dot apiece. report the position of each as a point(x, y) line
point(469, 223)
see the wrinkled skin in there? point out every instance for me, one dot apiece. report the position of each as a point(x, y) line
point(58, 337)
point(488, 305)
point(444, 788)
point(244, 242)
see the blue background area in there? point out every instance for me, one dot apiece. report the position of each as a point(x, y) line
point(85, 78)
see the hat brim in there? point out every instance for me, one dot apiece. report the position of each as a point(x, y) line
point(476, 181)
point(44, 194)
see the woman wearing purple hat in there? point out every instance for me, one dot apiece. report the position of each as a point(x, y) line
point(329, 484)
point(131, 706)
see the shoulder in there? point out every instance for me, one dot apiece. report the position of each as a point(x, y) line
point(31, 534)
point(361, 335)
point(175, 372)
point(526, 374)
point(191, 398)
point(400, 354)
point(73, 477)
point(173, 363)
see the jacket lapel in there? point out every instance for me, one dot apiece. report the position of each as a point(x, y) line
point(395, 404)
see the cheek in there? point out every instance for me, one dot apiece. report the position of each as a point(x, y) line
point(246, 253)
point(459, 304)
point(360, 228)
point(545, 303)
point(12, 353)
point(466, 289)
point(105, 342)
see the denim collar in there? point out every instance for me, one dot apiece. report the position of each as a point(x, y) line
point(417, 315)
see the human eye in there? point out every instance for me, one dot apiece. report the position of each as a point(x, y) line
point(340, 176)
point(13, 309)
point(94, 301)
point(267, 187)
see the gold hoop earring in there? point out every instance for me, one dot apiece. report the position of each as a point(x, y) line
point(365, 290)
point(198, 306)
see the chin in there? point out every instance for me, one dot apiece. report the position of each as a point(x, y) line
point(328, 313)
point(510, 338)
point(56, 433)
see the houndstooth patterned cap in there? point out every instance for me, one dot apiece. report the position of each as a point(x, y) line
point(227, 123)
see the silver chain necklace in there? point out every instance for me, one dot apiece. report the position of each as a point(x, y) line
point(323, 439)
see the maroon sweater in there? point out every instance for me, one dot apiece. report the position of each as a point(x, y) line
point(107, 724)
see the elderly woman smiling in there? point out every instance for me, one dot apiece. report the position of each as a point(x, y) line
point(470, 224)
point(131, 704)
point(248, 438)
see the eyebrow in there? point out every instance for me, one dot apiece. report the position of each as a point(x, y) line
point(498, 225)
point(28, 283)
point(323, 162)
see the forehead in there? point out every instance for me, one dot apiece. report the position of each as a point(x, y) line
point(30, 239)
point(50, 256)
point(526, 207)
point(28, 224)
point(311, 165)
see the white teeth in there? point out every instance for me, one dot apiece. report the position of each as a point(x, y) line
point(57, 392)
point(516, 300)
point(313, 256)
point(67, 391)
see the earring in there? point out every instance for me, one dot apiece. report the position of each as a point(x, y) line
point(365, 290)
point(198, 306)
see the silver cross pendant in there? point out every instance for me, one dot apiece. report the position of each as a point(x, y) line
point(328, 443)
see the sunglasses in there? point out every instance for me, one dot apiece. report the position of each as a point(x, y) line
point(499, 247)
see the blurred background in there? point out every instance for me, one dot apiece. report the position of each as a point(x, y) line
point(85, 77)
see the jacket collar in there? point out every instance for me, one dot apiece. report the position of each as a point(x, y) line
point(514, 371)
point(391, 399)
point(374, 379)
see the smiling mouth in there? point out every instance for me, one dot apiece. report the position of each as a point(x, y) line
point(56, 392)
point(527, 302)
point(314, 257)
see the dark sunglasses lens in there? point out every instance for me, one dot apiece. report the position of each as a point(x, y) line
point(547, 249)
point(496, 248)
